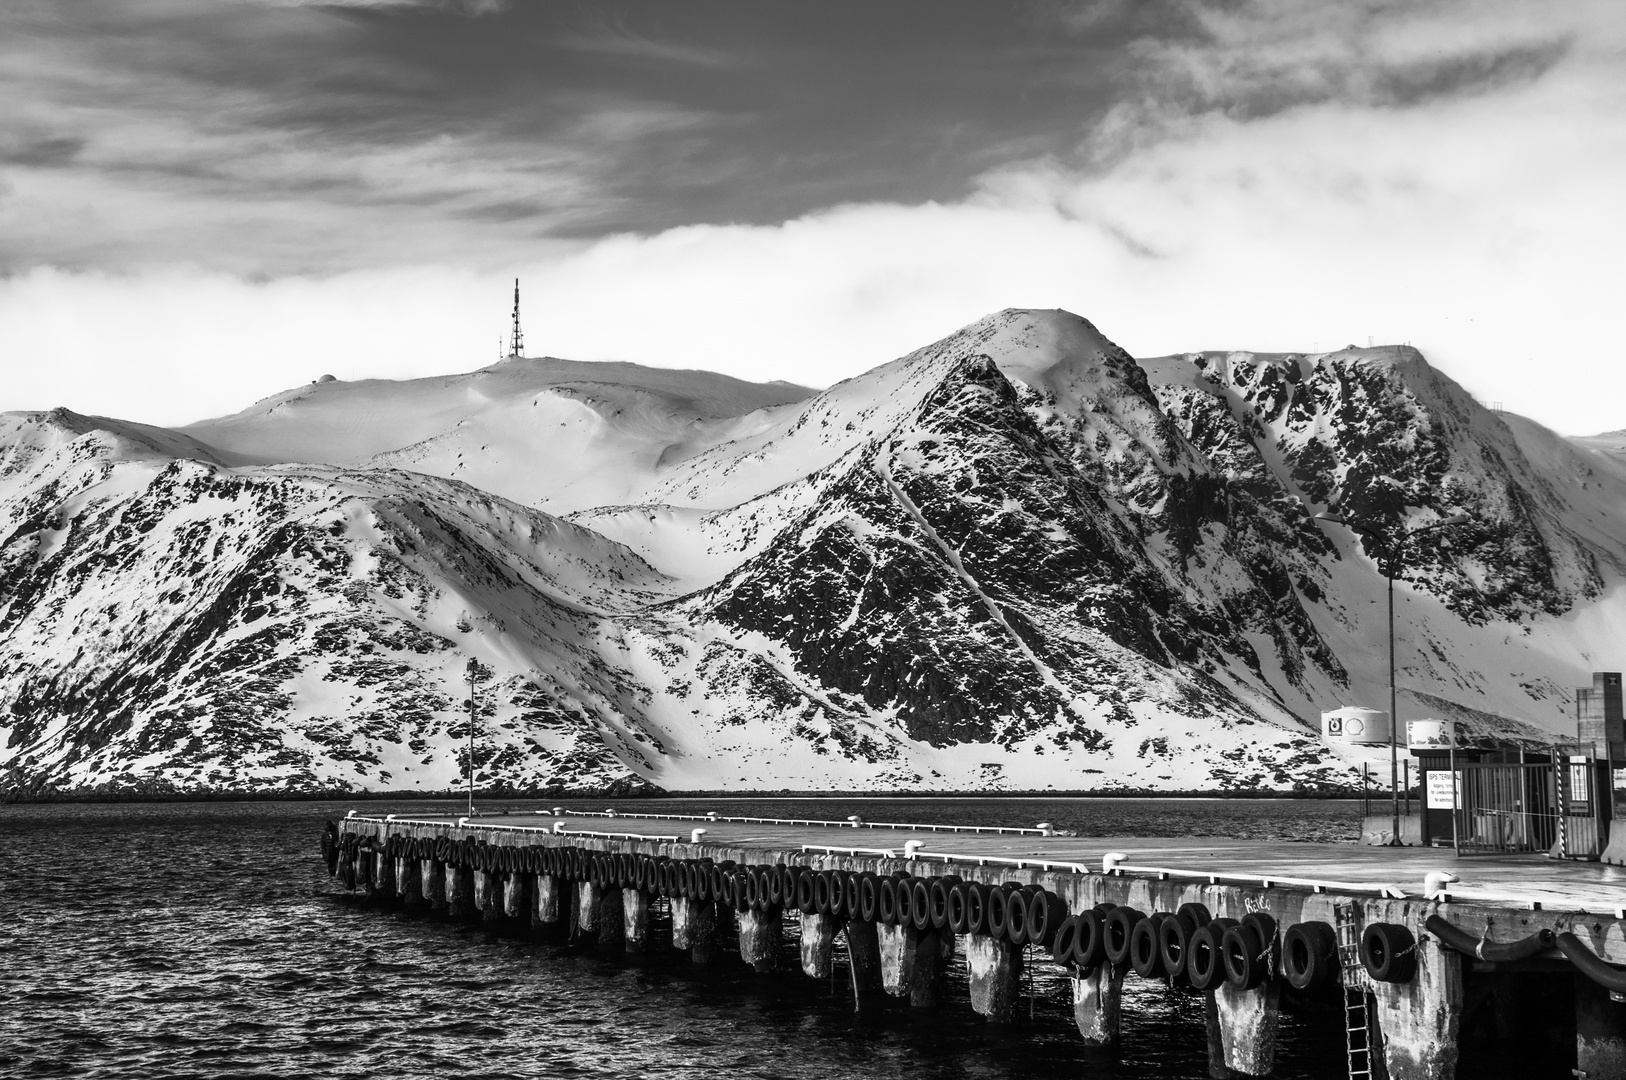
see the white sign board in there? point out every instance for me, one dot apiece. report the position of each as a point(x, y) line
point(1430, 734)
point(1437, 791)
point(1580, 782)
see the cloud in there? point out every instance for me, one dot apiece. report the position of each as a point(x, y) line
point(1298, 200)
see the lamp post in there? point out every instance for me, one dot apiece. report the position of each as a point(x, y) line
point(1391, 561)
point(475, 672)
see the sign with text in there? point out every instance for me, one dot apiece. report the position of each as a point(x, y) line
point(1430, 734)
point(1437, 790)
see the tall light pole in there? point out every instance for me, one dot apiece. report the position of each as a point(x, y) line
point(1391, 563)
point(475, 672)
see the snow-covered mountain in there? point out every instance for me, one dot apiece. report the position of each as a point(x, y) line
point(1015, 559)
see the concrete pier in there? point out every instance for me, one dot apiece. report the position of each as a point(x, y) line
point(1097, 999)
point(996, 976)
point(1418, 1017)
point(1243, 1022)
point(818, 940)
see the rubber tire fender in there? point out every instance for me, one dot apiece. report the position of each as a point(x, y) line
point(903, 892)
point(999, 911)
point(837, 906)
point(805, 894)
point(1089, 943)
point(1144, 955)
point(1016, 917)
point(1118, 925)
point(742, 889)
point(1310, 955)
point(1174, 945)
point(821, 893)
point(940, 900)
point(887, 905)
point(869, 897)
point(1196, 914)
point(1205, 961)
point(1389, 952)
point(957, 895)
point(1245, 957)
point(849, 894)
point(776, 885)
point(920, 904)
point(976, 908)
point(1062, 939)
point(1045, 915)
point(766, 877)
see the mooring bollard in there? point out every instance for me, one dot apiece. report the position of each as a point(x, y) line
point(1097, 995)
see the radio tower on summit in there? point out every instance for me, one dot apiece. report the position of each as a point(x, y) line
point(516, 340)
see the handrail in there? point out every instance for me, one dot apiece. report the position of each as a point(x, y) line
point(848, 824)
point(885, 853)
point(1021, 864)
point(1265, 881)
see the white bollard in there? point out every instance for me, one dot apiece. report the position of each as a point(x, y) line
point(1046, 829)
point(1434, 883)
point(1110, 861)
point(695, 835)
point(912, 846)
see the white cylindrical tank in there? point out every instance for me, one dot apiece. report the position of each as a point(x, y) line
point(1355, 726)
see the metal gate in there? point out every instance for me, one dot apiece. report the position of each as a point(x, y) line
point(1529, 807)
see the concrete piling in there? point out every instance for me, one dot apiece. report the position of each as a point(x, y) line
point(1096, 998)
point(383, 874)
point(545, 911)
point(1244, 1023)
point(486, 896)
point(818, 938)
point(432, 882)
point(635, 920)
point(864, 960)
point(584, 912)
point(408, 881)
point(1600, 1032)
point(759, 939)
point(694, 927)
point(996, 976)
point(1420, 1022)
point(611, 919)
point(897, 946)
point(459, 891)
point(513, 894)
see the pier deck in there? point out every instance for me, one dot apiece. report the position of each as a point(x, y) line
point(1498, 880)
point(1518, 948)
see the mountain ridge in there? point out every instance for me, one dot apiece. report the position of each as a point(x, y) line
point(1015, 558)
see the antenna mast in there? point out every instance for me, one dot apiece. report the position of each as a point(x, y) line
point(516, 342)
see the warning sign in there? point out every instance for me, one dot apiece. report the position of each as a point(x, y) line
point(1437, 789)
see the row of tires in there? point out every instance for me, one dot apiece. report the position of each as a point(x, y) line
point(1188, 946)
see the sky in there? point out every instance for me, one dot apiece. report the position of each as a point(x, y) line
point(203, 202)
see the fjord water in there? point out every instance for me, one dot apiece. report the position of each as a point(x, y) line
point(207, 940)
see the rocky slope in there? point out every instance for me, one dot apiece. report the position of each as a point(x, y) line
point(1017, 558)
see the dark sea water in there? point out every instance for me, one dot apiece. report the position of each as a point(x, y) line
point(207, 940)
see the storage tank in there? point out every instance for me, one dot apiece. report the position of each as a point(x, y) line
point(1355, 726)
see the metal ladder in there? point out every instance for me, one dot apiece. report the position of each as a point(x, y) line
point(1357, 1033)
